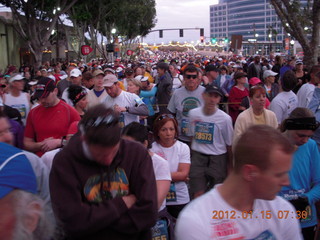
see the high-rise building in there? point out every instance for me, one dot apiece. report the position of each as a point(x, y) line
point(255, 20)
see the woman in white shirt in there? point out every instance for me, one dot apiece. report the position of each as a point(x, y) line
point(165, 130)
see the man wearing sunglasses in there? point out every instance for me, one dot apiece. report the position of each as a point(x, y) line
point(186, 98)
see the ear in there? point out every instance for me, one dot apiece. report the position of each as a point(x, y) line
point(31, 220)
point(250, 172)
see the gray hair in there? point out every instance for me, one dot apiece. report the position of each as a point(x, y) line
point(21, 201)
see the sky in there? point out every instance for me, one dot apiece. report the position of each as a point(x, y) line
point(181, 14)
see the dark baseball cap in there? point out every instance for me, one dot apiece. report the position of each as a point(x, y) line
point(239, 75)
point(44, 87)
point(211, 67)
point(213, 89)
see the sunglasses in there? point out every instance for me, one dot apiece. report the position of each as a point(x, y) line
point(164, 116)
point(3, 86)
point(191, 76)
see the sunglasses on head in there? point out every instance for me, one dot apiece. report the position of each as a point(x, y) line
point(164, 116)
point(188, 76)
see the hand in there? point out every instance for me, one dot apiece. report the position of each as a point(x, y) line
point(119, 109)
point(227, 95)
point(50, 144)
point(205, 80)
point(129, 200)
point(242, 108)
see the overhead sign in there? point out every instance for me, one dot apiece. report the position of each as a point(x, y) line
point(86, 49)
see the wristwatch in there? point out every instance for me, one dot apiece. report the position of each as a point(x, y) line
point(127, 109)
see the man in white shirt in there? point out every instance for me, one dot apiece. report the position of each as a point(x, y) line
point(245, 206)
point(128, 105)
point(306, 91)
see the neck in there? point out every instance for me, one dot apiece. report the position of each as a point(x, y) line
point(14, 92)
point(208, 111)
point(98, 88)
point(236, 192)
point(257, 111)
point(168, 143)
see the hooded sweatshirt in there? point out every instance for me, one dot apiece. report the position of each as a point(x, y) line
point(87, 196)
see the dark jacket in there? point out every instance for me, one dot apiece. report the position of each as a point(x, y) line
point(164, 92)
point(87, 197)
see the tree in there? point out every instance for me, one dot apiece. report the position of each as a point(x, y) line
point(34, 21)
point(302, 23)
point(131, 18)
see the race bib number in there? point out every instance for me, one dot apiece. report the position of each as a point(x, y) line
point(171, 195)
point(121, 120)
point(204, 132)
point(160, 230)
point(184, 127)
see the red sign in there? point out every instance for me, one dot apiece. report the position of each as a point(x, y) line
point(287, 43)
point(86, 49)
point(129, 52)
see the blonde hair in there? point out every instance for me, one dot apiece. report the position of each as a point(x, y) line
point(135, 82)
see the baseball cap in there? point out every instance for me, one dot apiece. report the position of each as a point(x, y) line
point(211, 67)
point(299, 62)
point(15, 171)
point(33, 82)
point(15, 77)
point(98, 72)
point(109, 80)
point(213, 89)
point(44, 87)
point(75, 73)
point(119, 69)
point(254, 81)
point(141, 78)
point(268, 73)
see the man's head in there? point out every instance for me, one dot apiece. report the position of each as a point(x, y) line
point(300, 126)
point(76, 76)
point(212, 71)
point(101, 132)
point(98, 76)
point(263, 159)
point(111, 84)
point(162, 68)
point(16, 81)
point(23, 215)
point(314, 73)
point(191, 77)
point(46, 92)
point(288, 81)
point(211, 96)
point(87, 79)
point(256, 59)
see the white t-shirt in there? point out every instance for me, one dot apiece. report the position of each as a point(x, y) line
point(211, 134)
point(178, 153)
point(48, 157)
point(21, 103)
point(125, 99)
point(272, 220)
point(181, 102)
point(305, 94)
point(283, 104)
point(177, 81)
point(161, 171)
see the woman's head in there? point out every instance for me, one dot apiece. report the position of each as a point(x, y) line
point(300, 125)
point(134, 85)
point(163, 123)
point(257, 95)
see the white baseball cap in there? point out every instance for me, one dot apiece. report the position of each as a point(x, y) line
point(268, 73)
point(15, 77)
point(75, 73)
point(141, 78)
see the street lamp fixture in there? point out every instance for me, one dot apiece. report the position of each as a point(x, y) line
point(305, 28)
point(113, 30)
point(256, 35)
point(292, 42)
point(270, 35)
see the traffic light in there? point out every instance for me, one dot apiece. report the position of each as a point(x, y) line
point(201, 32)
point(213, 40)
point(181, 32)
point(226, 40)
point(160, 33)
point(201, 38)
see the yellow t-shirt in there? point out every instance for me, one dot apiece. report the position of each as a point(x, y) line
point(259, 119)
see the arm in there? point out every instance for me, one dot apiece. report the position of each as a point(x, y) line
point(141, 110)
point(163, 187)
point(315, 100)
point(182, 173)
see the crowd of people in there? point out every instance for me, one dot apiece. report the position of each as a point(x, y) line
point(176, 146)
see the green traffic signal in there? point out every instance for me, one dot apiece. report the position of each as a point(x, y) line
point(213, 40)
